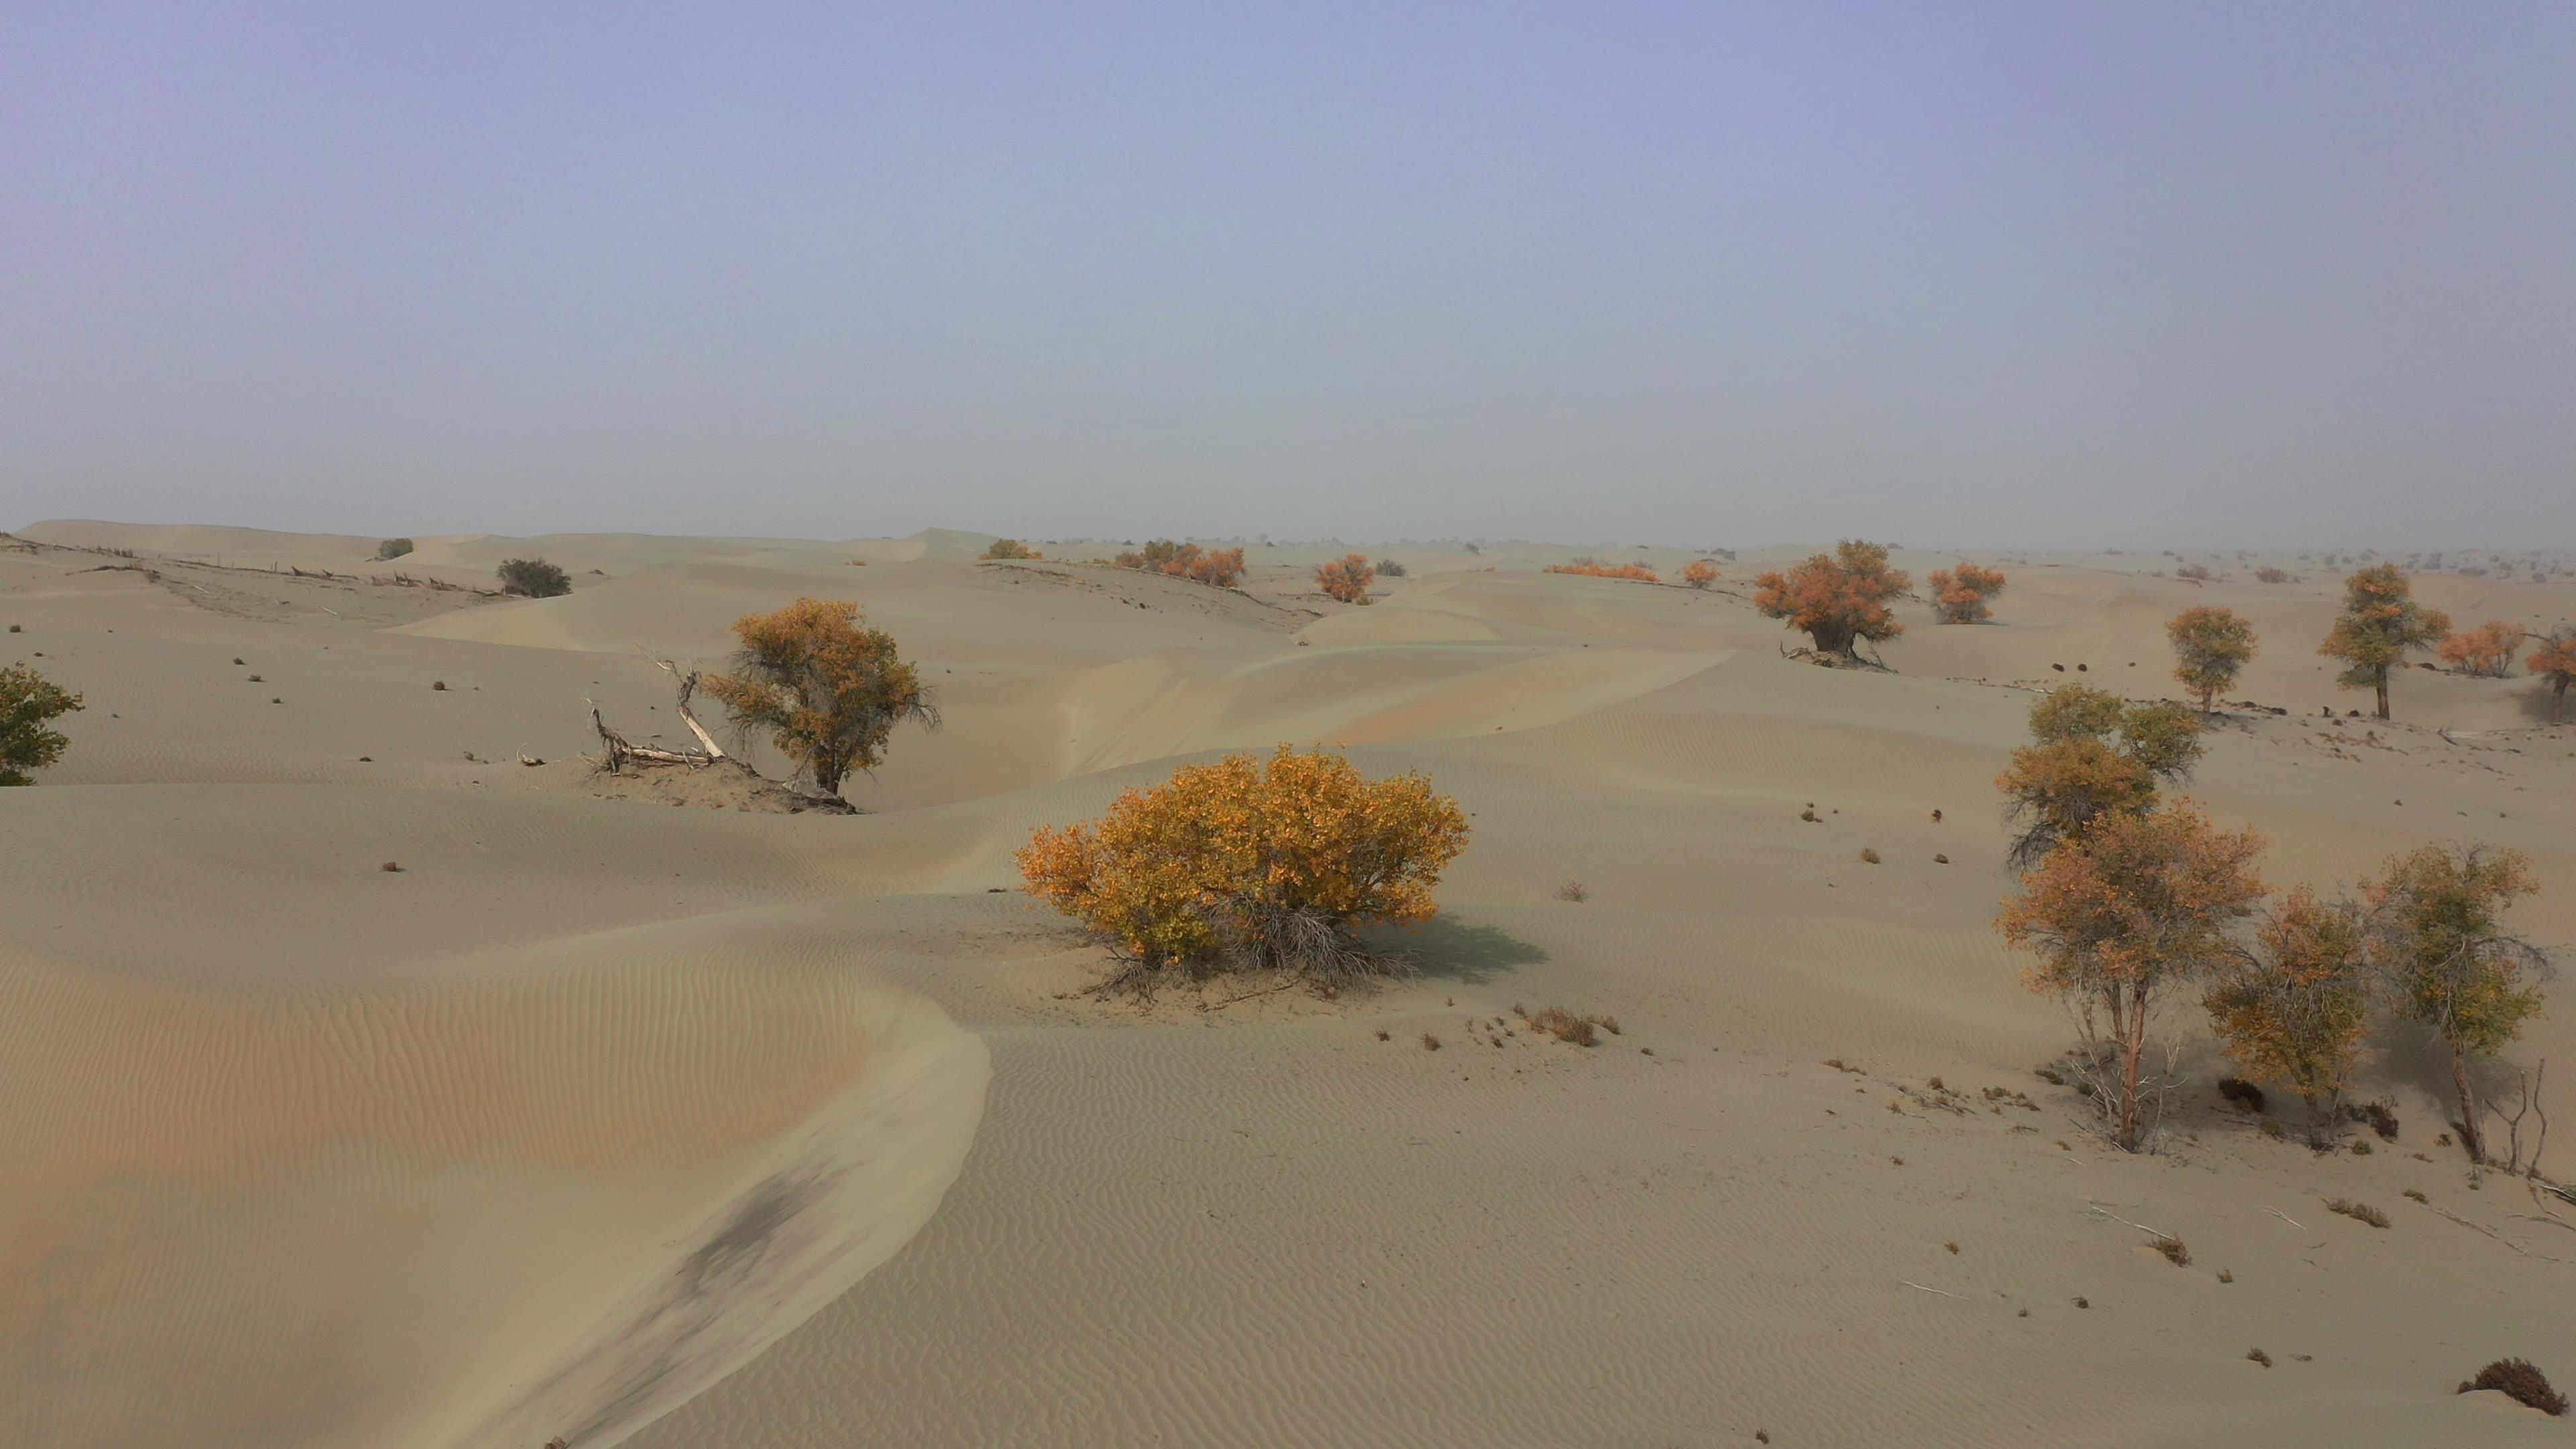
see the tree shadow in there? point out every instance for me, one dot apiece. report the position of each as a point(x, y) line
point(2539, 702)
point(1451, 949)
point(2409, 1054)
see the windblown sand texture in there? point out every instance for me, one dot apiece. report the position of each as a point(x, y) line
point(629, 1113)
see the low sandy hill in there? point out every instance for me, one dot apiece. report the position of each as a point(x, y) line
point(603, 1109)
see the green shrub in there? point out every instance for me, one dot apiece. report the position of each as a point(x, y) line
point(28, 702)
point(533, 578)
point(393, 548)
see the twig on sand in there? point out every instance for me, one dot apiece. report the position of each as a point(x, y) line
point(2115, 1217)
point(2492, 1233)
point(1944, 1292)
point(2285, 1217)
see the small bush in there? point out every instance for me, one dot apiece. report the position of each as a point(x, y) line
point(1217, 568)
point(1589, 570)
point(1346, 578)
point(1699, 574)
point(2417, 1195)
point(1430, 1043)
point(2272, 575)
point(1868, 856)
point(391, 867)
point(438, 684)
point(2174, 1250)
point(2241, 1092)
point(2256, 1355)
point(29, 702)
point(2381, 1115)
point(1389, 569)
point(1565, 1026)
point(1952, 1245)
point(533, 578)
point(392, 548)
point(2358, 1211)
point(2194, 572)
point(1574, 891)
point(2516, 1379)
point(2226, 1275)
point(1010, 548)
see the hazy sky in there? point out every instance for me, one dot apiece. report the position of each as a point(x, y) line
point(2042, 275)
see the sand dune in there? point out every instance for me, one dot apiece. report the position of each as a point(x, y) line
point(670, 1126)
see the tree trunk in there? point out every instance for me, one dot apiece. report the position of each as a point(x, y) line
point(2208, 697)
point(2383, 691)
point(2133, 1046)
point(2470, 1137)
point(2558, 702)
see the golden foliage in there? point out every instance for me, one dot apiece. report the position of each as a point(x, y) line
point(829, 691)
point(1250, 863)
point(1960, 595)
point(2555, 661)
point(1010, 548)
point(1699, 573)
point(1346, 578)
point(2296, 1008)
point(2380, 621)
point(2210, 645)
point(1837, 599)
point(2092, 754)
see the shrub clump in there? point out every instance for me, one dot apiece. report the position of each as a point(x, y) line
point(1217, 568)
point(1639, 572)
point(2241, 1092)
point(1390, 569)
point(392, 548)
point(1010, 548)
point(2174, 1250)
point(1960, 595)
point(2358, 1212)
point(1699, 573)
point(1251, 865)
point(2516, 1379)
point(533, 578)
point(29, 702)
point(1346, 578)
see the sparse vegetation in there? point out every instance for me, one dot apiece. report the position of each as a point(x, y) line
point(1868, 855)
point(1564, 1025)
point(1590, 570)
point(1837, 599)
point(2271, 575)
point(828, 690)
point(1009, 548)
point(1961, 595)
point(2210, 646)
point(1246, 864)
point(2380, 621)
point(1573, 891)
point(533, 578)
point(28, 704)
point(2517, 1380)
point(1346, 579)
point(392, 548)
point(2196, 573)
point(2360, 1212)
point(1388, 568)
point(2256, 1355)
point(2175, 1251)
point(1217, 568)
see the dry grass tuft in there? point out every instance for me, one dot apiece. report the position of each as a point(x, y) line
point(1382, 1034)
point(2418, 1196)
point(2257, 1355)
point(1430, 1043)
point(438, 684)
point(2226, 1275)
point(1565, 1026)
point(2516, 1379)
point(2358, 1212)
point(2174, 1250)
point(1868, 856)
point(1574, 891)
point(390, 868)
point(1952, 1245)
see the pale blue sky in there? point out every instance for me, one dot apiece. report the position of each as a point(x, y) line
point(1958, 274)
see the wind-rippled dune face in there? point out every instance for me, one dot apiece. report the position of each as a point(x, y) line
point(561, 1195)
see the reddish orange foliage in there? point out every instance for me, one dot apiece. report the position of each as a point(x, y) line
point(1837, 598)
point(1639, 572)
point(1347, 578)
point(1960, 594)
point(1699, 574)
point(2485, 650)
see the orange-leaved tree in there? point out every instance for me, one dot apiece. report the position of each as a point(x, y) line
point(2135, 908)
point(2437, 932)
point(828, 690)
point(1246, 864)
point(1959, 595)
point(2380, 621)
point(2091, 754)
point(1699, 573)
point(1011, 548)
point(2210, 645)
point(1837, 599)
point(2486, 650)
point(1219, 568)
point(2296, 1008)
point(1347, 578)
point(2555, 661)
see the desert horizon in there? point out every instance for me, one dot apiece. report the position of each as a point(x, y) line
point(457, 1090)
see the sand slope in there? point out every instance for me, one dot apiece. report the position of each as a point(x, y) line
point(594, 1119)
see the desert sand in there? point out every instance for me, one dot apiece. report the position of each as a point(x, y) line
point(628, 1114)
